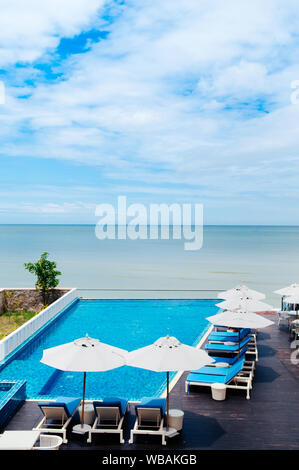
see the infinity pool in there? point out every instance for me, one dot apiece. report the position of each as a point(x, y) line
point(127, 324)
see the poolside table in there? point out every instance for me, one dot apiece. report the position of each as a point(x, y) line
point(18, 440)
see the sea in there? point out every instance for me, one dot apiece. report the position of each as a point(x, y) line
point(264, 258)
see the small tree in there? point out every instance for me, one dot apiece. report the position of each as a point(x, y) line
point(46, 273)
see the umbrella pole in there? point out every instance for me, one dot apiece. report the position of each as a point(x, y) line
point(167, 401)
point(82, 415)
point(239, 345)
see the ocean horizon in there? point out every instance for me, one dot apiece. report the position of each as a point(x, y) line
point(262, 257)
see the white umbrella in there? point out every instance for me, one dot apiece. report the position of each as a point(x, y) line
point(168, 354)
point(245, 304)
point(293, 289)
point(239, 319)
point(290, 290)
point(241, 291)
point(84, 355)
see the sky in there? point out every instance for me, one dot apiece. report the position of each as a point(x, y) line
point(163, 102)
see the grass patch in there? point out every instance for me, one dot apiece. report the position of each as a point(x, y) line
point(10, 321)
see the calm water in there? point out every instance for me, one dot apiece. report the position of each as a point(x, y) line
point(128, 324)
point(264, 258)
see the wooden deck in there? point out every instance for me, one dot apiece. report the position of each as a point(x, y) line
point(269, 420)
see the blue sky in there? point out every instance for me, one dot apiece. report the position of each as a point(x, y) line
point(163, 102)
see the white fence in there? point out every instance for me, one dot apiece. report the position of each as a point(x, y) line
point(17, 337)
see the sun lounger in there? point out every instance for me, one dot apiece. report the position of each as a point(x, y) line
point(57, 415)
point(235, 377)
point(227, 346)
point(232, 358)
point(109, 417)
point(248, 365)
point(252, 351)
point(229, 357)
point(150, 418)
point(228, 335)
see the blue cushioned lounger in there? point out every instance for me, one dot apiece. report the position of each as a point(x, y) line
point(230, 358)
point(150, 418)
point(58, 415)
point(109, 402)
point(227, 347)
point(232, 376)
point(227, 372)
point(228, 335)
point(70, 404)
point(109, 416)
point(148, 402)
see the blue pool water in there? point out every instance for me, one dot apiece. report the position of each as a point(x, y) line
point(127, 324)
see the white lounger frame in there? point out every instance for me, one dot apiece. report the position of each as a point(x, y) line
point(55, 413)
point(249, 366)
point(241, 381)
point(107, 413)
point(144, 416)
point(252, 348)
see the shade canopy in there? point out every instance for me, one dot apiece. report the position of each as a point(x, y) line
point(245, 304)
point(293, 289)
point(241, 291)
point(168, 354)
point(240, 319)
point(84, 355)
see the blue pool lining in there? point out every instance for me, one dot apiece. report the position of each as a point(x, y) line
point(41, 330)
point(12, 399)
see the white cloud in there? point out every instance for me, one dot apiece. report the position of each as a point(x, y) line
point(47, 208)
point(193, 93)
point(245, 78)
point(28, 28)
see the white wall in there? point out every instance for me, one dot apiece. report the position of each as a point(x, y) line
point(17, 337)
